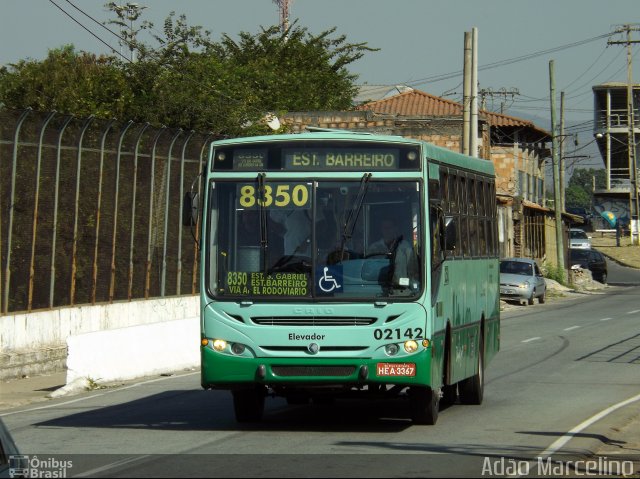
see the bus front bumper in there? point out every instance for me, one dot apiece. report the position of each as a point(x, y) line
point(221, 371)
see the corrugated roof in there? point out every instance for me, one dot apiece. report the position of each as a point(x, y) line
point(419, 103)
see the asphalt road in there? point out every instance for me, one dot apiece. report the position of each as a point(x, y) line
point(560, 364)
point(621, 275)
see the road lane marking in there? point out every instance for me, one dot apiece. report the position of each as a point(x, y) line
point(562, 441)
point(120, 463)
point(531, 339)
point(571, 328)
point(51, 405)
point(634, 311)
point(606, 319)
point(164, 378)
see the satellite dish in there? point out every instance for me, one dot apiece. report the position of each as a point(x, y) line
point(272, 121)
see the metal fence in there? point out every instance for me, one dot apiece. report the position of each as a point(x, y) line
point(90, 210)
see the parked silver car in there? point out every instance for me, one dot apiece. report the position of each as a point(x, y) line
point(578, 239)
point(521, 280)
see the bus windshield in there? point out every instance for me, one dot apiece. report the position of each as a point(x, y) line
point(330, 240)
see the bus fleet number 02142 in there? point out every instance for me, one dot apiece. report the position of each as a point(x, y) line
point(397, 333)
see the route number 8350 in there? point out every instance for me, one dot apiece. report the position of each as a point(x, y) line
point(281, 195)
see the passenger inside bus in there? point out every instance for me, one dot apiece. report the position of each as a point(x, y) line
point(248, 228)
point(297, 230)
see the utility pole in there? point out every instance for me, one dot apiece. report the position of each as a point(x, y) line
point(631, 144)
point(473, 134)
point(283, 6)
point(503, 92)
point(127, 15)
point(466, 95)
point(556, 171)
point(562, 166)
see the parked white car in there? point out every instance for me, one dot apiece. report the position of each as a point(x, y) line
point(521, 280)
point(578, 239)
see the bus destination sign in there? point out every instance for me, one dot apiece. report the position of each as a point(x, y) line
point(380, 159)
point(250, 159)
point(317, 156)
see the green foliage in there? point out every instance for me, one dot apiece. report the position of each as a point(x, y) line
point(579, 192)
point(556, 273)
point(92, 384)
point(583, 177)
point(190, 81)
point(575, 196)
point(67, 81)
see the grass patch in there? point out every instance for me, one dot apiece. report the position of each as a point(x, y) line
point(557, 274)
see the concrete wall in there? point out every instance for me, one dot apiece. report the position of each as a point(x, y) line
point(128, 353)
point(36, 342)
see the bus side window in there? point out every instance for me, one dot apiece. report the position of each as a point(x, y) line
point(437, 237)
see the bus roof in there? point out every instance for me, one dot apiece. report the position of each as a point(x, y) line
point(431, 151)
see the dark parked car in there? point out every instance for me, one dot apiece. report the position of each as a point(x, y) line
point(582, 212)
point(592, 260)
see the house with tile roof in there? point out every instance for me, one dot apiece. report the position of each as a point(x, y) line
point(517, 147)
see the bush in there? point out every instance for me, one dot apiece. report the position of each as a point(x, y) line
point(557, 274)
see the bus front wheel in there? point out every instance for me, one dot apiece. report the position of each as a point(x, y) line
point(249, 404)
point(425, 403)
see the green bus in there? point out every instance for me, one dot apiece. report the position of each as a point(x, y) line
point(338, 264)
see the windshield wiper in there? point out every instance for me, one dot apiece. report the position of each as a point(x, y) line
point(264, 244)
point(352, 218)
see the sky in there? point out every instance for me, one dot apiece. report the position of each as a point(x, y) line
point(420, 42)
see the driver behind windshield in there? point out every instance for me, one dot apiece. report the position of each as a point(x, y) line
point(404, 264)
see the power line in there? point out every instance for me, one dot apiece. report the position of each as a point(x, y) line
point(89, 31)
point(224, 96)
point(584, 72)
point(508, 61)
point(96, 21)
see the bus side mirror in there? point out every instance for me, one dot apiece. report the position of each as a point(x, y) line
point(449, 233)
point(190, 209)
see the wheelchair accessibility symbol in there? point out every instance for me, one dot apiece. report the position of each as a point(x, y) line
point(329, 280)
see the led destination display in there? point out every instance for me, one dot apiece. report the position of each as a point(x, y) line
point(315, 156)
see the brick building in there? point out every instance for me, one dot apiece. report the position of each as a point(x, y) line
point(517, 147)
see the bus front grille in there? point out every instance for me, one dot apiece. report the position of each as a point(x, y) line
point(312, 321)
point(313, 371)
point(324, 349)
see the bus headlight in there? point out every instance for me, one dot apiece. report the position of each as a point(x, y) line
point(219, 345)
point(391, 349)
point(238, 349)
point(410, 346)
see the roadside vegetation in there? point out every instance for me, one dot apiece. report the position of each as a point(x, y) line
point(185, 79)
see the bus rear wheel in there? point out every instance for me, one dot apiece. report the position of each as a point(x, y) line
point(471, 390)
point(248, 404)
point(425, 403)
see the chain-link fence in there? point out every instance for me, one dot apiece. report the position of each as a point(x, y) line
point(90, 210)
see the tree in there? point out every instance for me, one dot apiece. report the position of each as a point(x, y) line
point(73, 82)
point(226, 87)
point(579, 192)
point(187, 80)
